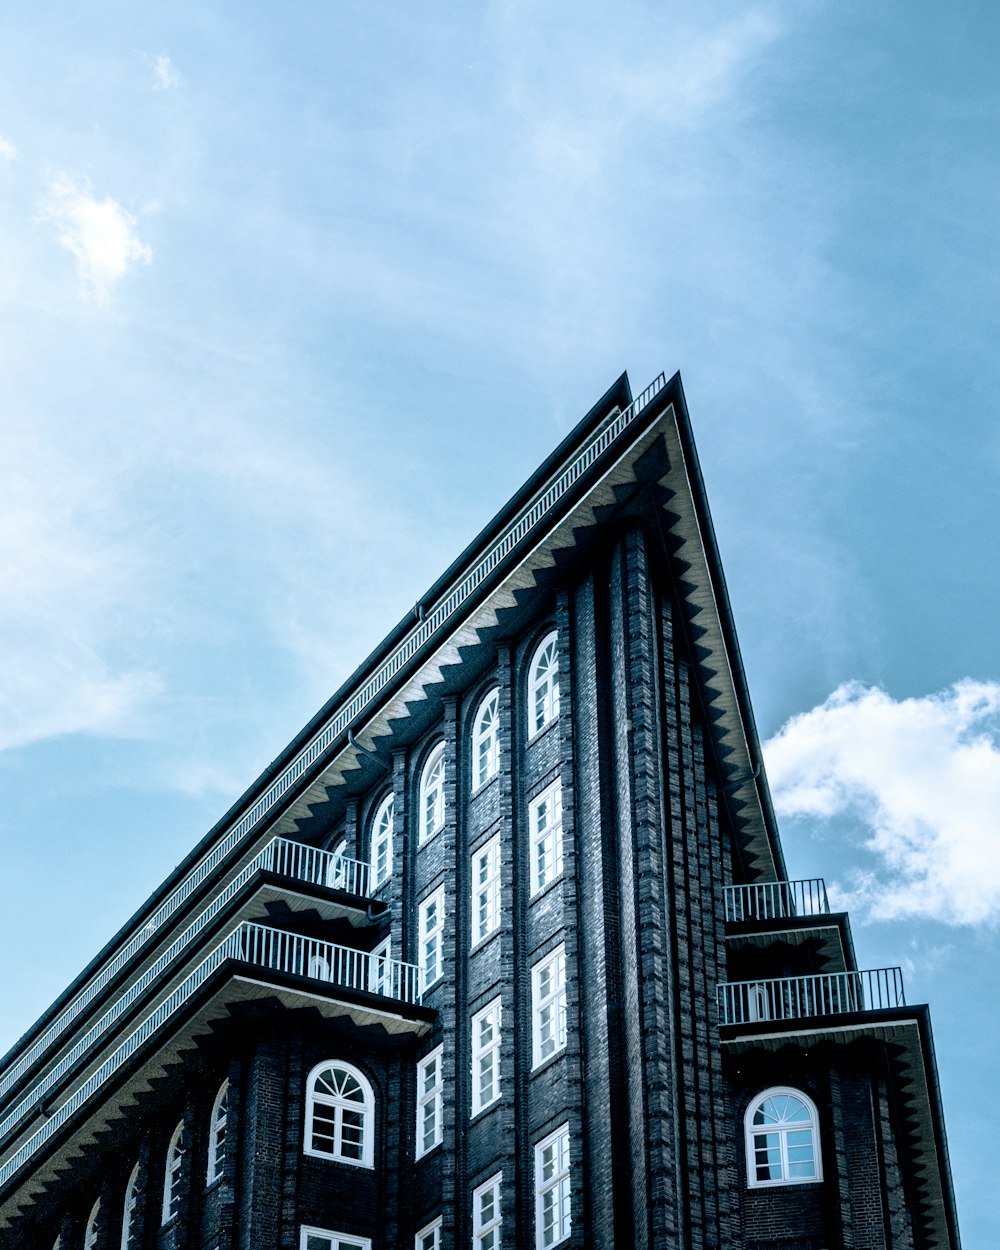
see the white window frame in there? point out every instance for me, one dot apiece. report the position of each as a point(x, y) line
point(383, 824)
point(548, 1006)
point(380, 967)
point(486, 1056)
point(336, 876)
point(431, 1230)
point(557, 1182)
point(543, 685)
point(432, 809)
point(172, 1172)
point(486, 890)
point(491, 1228)
point(429, 938)
point(218, 1125)
point(339, 1104)
point(781, 1130)
point(486, 740)
point(90, 1235)
point(129, 1207)
point(430, 1103)
point(335, 1241)
point(546, 840)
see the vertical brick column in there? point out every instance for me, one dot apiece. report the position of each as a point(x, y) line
point(263, 1146)
point(453, 991)
point(395, 892)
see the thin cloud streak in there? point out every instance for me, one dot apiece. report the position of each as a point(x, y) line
point(920, 777)
point(165, 76)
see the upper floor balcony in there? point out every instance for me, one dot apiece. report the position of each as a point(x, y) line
point(799, 998)
point(776, 900)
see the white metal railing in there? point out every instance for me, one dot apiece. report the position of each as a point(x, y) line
point(824, 994)
point(250, 943)
point(346, 715)
point(280, 855)
point(776, 900)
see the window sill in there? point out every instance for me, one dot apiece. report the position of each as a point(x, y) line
point(548, 1060)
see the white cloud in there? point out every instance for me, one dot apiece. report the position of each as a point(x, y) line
point(8, 150)
point(165, 76)
point(99, 233)
point(921, 776)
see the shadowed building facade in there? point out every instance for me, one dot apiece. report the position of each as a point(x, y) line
point(501, 950)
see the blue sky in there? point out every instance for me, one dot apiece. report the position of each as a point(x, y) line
point(292, 298)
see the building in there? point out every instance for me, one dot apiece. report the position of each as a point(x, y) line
point(501, 950)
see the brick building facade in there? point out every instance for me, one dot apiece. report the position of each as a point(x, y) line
point(501, 950)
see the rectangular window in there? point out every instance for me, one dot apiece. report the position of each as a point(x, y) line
point(431, 927)
point(486, 1056)
point(545, 824)
point(552, 1200)
point(486, 1218)
point(548, 1006)
point(430, 1087)
point(320, 1239)
point(486, 890)
point(429, 1238)
point(380, 968)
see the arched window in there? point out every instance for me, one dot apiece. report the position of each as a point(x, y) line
point(543, 685)
point(340, 1115)
point(336, 871)
point(130, 1212)
point(486, 740)
point(172, 1174)
point(432, 794)
point(381, 857)
point(217, 1130)
point(90, 1236)
point(781, 1127)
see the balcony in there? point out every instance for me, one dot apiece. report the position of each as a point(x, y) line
point(776, 900)
point(797, 998)
point(315, 867)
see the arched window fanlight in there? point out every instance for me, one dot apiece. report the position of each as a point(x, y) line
point(340, 1115)
point(90, 1235)
point(781, 1128)
point(381, 843)
point(486, 740)
point(218, 1128)
point(172, 1174)
point(130, 1212)
point(543, 685)
point(432, 794)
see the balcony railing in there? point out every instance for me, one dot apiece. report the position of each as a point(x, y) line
point(776, 900)
point(250, 943)
point(290, 859)
point(323, 961)
point(306, 863)
point(826, 994)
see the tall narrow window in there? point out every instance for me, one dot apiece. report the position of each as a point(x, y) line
point(430, 1088)
point(429, 1238)
point(543, 685)
point(380, 968)
point(381, 857)
point(486, 1056)
point(336, 869)
point(545, 827)
point(172, 1174)
point(430, 931)
point(552, 1197)
point(432, 794)
point(548, 1003)
point(781, 1128)
point(340, 1115)
point(486, 890)
point(486, 740)
point(321, 1239)
point(486, 1217)
point(130, 1212)
point(217, 1130)
point(90, 1236)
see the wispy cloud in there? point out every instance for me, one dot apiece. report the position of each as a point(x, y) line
point(8, 150)
point(165, 77)
point(101, 234)
point(921, 777)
